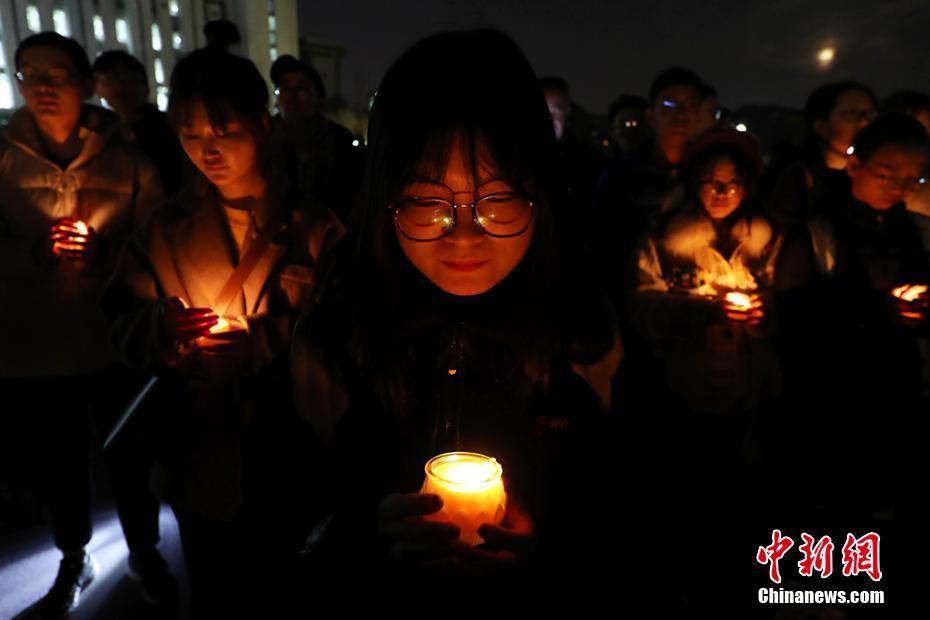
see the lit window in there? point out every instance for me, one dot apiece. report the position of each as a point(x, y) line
point(32, 18)
point(273, 39)
point(161, 98)
point(173, 9)
point(99, 32)
point(60, 19)
point(274, 54)
point(272, 23)
point(159, 71)
point(2, 56)
point(122, 31)
point(156, 38)
point(176, 41)
point(6, 91)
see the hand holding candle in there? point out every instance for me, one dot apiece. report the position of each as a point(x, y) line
point(912, 302)
point(229, 336)
point(182, 324)
point(743, 308)
point(471, 489)
point(73, 239)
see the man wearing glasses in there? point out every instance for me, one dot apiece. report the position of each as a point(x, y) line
point(71, 192)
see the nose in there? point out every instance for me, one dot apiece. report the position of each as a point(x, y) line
point(466, 231)
point(211, 147)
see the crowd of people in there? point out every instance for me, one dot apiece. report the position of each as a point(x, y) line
point(670, 351)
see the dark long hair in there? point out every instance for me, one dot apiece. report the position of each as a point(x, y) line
point(477, 85)
point(230, 88)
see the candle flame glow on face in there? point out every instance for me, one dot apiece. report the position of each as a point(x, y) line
point(909, 292)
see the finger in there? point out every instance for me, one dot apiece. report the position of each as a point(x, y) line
point(401, 505)
point(188, 321)
point(202, 326)
point(193, 312)
point(188, 335)
point(63, 247)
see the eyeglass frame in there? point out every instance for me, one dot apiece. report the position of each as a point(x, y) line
point(394, 206)
point(732, 187)
point(889, 182)
point(46, 79)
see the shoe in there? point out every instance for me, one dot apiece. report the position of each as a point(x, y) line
point(74, 575)
point(158, 584)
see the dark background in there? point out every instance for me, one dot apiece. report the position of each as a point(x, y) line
point(752, 52)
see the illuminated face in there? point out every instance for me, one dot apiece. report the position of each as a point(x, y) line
point(297, 96)
point(721, 189)
point(226, 155)
point(559, 109)
point(854, 110)
point(889, 176)
point(675, 112)
point(466, 261)
point(123, 90)
point(51, 86)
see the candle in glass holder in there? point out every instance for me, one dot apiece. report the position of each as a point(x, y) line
point(471, 489)
point(741, 300)
point(228, 324)
point(81, 227)
point(909, 292)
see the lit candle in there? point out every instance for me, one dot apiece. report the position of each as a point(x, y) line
point(224, 324)
point(471, 489)
point(81, 227)
point(910, 292)
point(741, 300)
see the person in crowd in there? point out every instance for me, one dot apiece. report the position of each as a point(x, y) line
point(632, 190)
point(629, 128)
point(458, 315)
point(704, 303)
point(205, 297)
point(327, 158)
point(916, 105)
point(799, 183)
point(222, 34)
point(123, 86)
point(580, 163)
point(73, 190)
point(711, 112)
point(852, 311)
point(631, 194)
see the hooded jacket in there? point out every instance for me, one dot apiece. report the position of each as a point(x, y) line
point(712, 364)
point(50, 322)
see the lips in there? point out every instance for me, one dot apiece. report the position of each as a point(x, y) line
point(464, 264)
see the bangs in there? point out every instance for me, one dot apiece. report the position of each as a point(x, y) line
point(427, 157)
point(181, 110)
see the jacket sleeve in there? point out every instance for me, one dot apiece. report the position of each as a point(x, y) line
point(661, 314)
point(271, 331)
point(134, 299)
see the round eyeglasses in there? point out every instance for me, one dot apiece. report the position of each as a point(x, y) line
point(426, 218)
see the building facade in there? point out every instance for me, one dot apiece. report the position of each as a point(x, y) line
point(157, 32)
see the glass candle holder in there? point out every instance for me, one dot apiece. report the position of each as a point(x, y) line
point(471, 489)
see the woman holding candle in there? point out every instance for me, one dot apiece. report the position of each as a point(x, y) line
point(703, 301)
point(205, 298)
point(458, 316)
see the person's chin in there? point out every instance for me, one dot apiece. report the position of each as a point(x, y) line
point(465, 284)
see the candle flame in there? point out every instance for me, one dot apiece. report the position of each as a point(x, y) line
point(465, 471)
point(81, 227)
point(742, 300)
point(910, 292)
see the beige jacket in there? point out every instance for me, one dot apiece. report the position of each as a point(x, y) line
point(50, 322)
point(187, 251)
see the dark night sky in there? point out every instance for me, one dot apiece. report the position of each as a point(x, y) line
point(751, 53)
